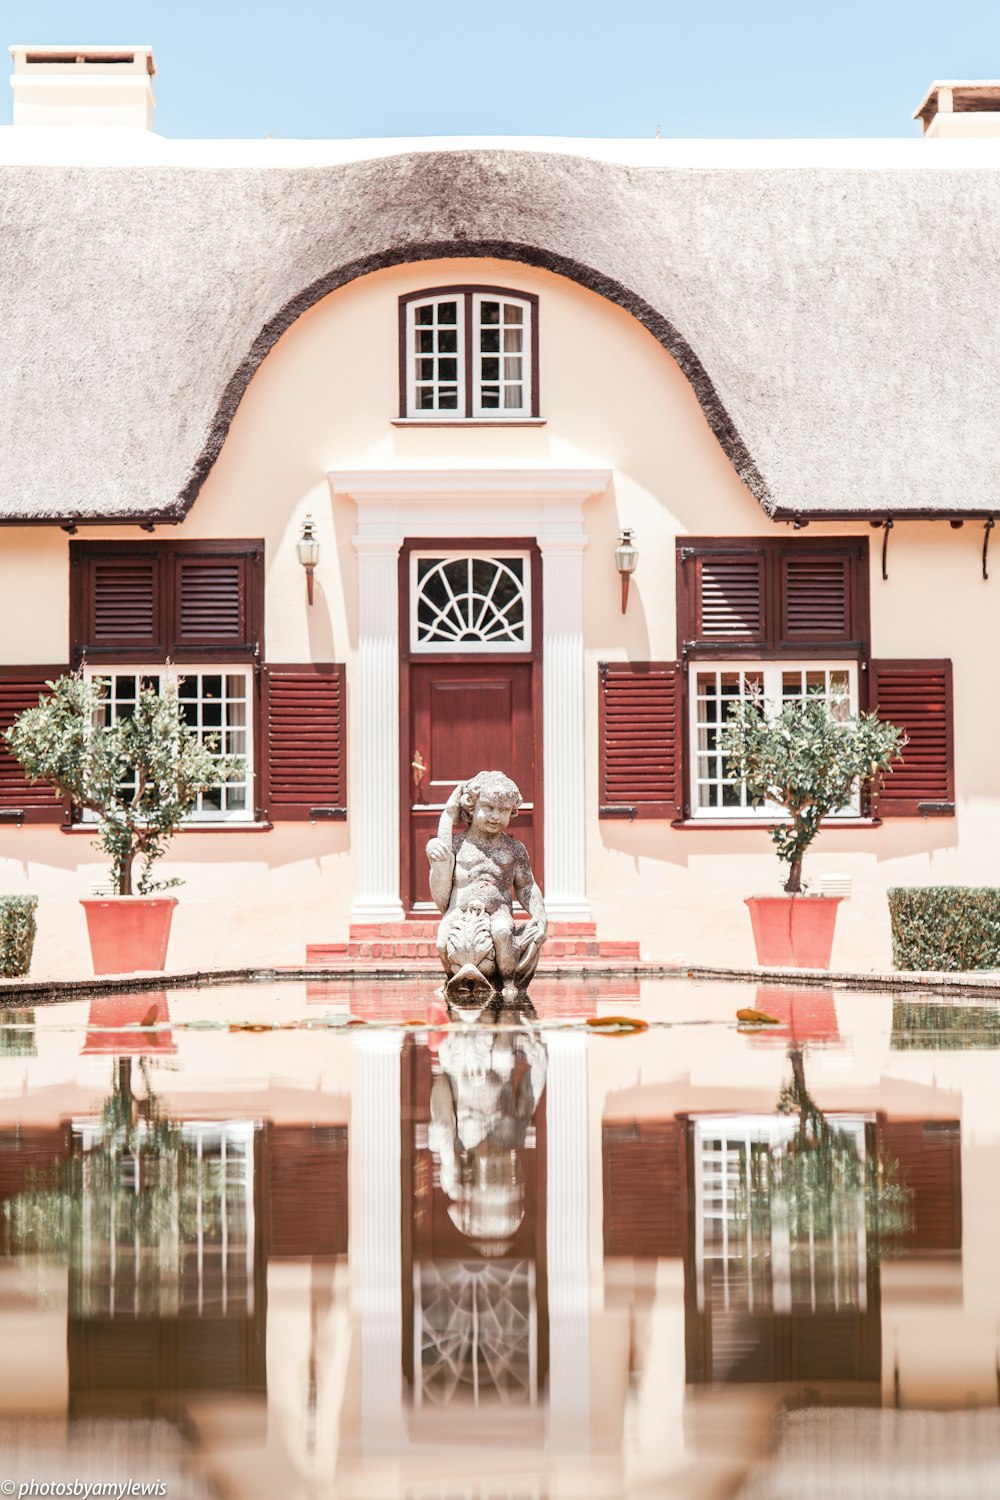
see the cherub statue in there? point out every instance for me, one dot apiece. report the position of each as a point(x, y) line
point(474, 863)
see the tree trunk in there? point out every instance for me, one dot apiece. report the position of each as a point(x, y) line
point(793, 885)
point(125, 879)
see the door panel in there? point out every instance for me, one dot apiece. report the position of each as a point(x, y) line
point(463, 719)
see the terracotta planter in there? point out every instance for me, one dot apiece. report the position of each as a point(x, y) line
point(794, 932)
point(129, 933)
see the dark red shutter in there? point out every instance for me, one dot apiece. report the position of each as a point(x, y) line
point(641, 736)
point(21, 688)
point(645, 1192)
point(929, 1154)
point(722, 595)
point(213, 603)
point(770, 596)
point(917, 697)
point(116, 604)
point(305, 742)
point(307, 1190)
point(815, 596)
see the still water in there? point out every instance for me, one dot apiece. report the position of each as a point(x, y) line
point(248, 1249)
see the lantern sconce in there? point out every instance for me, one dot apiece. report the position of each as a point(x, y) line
point(626, 557)
point(307, 551)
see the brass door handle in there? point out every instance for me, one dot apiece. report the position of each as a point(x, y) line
point(418, 768)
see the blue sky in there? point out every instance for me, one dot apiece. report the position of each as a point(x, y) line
point(533, 67)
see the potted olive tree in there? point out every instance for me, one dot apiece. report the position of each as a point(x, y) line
point(139, 776)
point(809, 758)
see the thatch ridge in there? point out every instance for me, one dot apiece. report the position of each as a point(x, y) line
point(837, 325)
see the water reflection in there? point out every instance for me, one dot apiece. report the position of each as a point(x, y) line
point(476, 1296)
point(489, 1255)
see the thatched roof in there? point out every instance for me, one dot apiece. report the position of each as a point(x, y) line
point(839, 325)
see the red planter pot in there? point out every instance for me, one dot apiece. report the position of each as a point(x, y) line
point(129, 934)
point(793, 932)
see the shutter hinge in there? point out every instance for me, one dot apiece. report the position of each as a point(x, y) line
point(688, 552)
point(602, 667)
point(11, 815)
point(618, 811)
point(338, 814)
point(936, 809)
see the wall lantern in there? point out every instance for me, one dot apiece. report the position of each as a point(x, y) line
point(307, 551)
point(626, 557)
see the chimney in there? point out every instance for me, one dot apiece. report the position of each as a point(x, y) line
point(961, 110)
point(83, 86)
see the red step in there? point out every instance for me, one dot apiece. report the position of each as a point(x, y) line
point(413, 942)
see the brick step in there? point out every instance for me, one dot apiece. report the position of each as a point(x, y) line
point(420, 929)
point(406, 950)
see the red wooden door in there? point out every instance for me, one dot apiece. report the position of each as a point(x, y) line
point(475, 716)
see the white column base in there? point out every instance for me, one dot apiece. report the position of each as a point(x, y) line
point(377, 911)
point(567, 910)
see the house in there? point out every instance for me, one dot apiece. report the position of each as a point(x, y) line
point(456, 378)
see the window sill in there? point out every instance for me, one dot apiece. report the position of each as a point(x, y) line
point(91, 829)
point(709, 824)
point(469, 421)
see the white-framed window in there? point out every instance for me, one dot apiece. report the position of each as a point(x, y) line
point(470, 602)
point(217, 704)
point(469, 353)
point(714, 687)
point(770, 1268)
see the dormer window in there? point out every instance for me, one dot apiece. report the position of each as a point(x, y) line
point(468, 353)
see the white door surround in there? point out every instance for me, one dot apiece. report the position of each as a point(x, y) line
point(450, 504)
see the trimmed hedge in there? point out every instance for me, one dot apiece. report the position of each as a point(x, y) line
point(17, 934)
point(945, 927)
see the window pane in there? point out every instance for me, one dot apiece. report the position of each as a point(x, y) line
point(447, 312)
point(425, 314)
point(513, 312)
point(425, 341)
point(513, 397)
point(512, 368)
point(448, 341)
point(491, 369)
point(489, 341)
point(489, 312)
point(447, 398)
point(490, 396)
point(513, 340)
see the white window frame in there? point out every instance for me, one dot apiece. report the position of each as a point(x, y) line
point(500, 413)
point(722, 1145)
point(769, 675)
point(469, 648)
point(174, 673)
point(469, 327)
point(413, 385)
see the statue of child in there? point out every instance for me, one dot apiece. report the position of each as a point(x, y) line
point(474, 865)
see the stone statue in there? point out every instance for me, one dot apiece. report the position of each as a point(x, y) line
point(474, 864)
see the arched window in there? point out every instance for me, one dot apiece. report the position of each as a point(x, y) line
point(468, 353)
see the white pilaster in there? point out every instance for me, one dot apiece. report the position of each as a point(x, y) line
point(451, 504)
point(563, 698)
point(377, 711)
point(566, 1236)
point(379, 1127)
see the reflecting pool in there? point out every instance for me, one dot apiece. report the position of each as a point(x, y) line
point(333, 1240)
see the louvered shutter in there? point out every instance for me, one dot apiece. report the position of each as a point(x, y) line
point(307, 1190)
point(305, 749)
point(116, 604)
point(645, 1188)
point(213, 604)
point(640, 740)
point(917, 697)
point(817, 600)
point(20, 801)
point(722, 596)
point(929, 1154)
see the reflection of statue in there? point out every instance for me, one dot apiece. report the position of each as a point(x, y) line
point(480, 1113)
point(474, 863)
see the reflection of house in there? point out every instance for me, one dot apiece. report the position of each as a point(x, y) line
point(473, 367)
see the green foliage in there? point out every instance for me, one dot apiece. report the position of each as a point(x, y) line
point(808, 759)
point(17, 934)
point(140, 775)
point(138, 1184)
point(820, 1184)
point(945, 927)
point(944, 1026)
